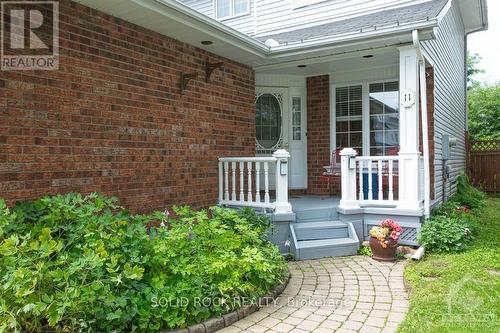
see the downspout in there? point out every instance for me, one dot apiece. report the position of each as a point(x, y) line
point(425, 130)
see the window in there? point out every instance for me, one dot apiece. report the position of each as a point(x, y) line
point(348, 116)
point(231, 8)
point(384, 118)
point(267, 121)
point(296, 118)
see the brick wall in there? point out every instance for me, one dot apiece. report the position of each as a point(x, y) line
point(112, 118)
point(318, 135)
point(430, 121)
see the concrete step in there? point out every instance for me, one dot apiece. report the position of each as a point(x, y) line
point(320, 230)
point(316, 214)
point(313, 240)
point(321, 248)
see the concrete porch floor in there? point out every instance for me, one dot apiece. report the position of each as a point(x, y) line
point(307, 202)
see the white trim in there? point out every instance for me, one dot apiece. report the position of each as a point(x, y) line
point(352, 37)
point(302, 94)
point(444, 10)
point(333, 111)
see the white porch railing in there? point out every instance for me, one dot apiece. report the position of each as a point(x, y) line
point(377, 178)
point(378, 181)
point(245, 181)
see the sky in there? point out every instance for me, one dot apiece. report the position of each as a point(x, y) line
point(487, 45)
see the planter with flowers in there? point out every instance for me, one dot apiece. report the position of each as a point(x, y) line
point(384, 240)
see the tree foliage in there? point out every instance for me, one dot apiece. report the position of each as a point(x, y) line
point(484, 111)
point(472, 68)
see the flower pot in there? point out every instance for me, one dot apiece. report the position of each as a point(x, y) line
point(383, 254)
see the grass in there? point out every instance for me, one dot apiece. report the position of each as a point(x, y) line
point(458, 292)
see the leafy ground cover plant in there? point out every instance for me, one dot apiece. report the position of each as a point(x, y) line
point(73, 263)
point(453, 225)
point(365, 251)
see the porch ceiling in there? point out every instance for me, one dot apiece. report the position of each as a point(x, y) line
point(348, 62)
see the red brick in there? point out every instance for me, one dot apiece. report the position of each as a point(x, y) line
point(112, 118)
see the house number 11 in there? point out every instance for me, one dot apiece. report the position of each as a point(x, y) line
point(408, 98)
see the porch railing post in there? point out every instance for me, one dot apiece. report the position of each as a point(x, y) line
point(348, 178)
point(282, 206)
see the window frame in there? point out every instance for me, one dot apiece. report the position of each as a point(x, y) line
point(365, 115)
point(231, 10)
point(334, 108)
point(279, 125)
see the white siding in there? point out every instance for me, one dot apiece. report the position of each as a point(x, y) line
point(447, 53)
point(276, 15)
point(203, 6)
point(279, 15)
point(243, 23)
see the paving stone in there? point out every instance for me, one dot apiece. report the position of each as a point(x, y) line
point(356, 316)
point(331, 324)
point(316, 317)
point(229, 329)
point(369, 329)
point(257, 316)
point(352, 325)
point(269, 322)
point(293, 320)
point(298, 330)
point(374, 321)
point(350, 294)
point(308, 325)
point(283, 327)
point(301, 314)
point(257, 329)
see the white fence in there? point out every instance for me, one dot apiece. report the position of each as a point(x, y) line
point(245, 181)
point(240, 181)
point(378, 176)
point(380, 181)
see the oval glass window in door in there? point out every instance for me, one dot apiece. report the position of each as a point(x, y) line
point(267, 121)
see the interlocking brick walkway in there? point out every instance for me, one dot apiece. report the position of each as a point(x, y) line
point(347, 294)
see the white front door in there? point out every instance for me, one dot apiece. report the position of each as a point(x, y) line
point(277, 128)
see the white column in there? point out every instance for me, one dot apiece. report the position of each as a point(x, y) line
point(281, 204)
point(409, 176)
point(348, 179)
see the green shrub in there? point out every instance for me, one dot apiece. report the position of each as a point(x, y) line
point(468, 195)
point(447, 232)
point(73, 263)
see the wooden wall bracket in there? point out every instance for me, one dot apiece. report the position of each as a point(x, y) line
point(210, 67)
point(185, 78)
